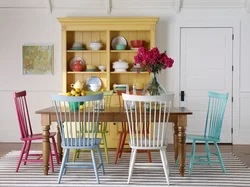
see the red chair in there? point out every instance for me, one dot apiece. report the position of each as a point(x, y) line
point(124, 132)
point(27, 135)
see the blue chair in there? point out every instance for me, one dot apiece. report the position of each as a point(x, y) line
point(71, 120)
point(214, 119)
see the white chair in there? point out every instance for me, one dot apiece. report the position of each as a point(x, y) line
point(153, 111)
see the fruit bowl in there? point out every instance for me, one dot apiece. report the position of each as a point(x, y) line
point(137, 43)
point(102, 68)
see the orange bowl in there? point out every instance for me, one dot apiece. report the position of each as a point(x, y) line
point(137, 43)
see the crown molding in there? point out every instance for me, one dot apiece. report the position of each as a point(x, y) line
point(122, 5)
point(142, 4)
point(213, 3)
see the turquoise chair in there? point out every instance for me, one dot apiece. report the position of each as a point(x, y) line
point(71, 121)
point(214, 119)
point(107, 95)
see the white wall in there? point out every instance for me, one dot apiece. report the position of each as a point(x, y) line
point(20, 26)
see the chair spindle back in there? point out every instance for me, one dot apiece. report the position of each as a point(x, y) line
point(23, 114)
point(152, 113)
point(78, 128)
point(215, 114)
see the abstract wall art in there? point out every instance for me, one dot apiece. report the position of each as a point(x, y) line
point(37, 59)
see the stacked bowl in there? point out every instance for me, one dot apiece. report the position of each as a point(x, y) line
point(121, 87)
point(91, 68)
point(137, 68)
point(77, 46)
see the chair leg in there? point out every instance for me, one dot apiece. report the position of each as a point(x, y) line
point(62, 165)
point(27, 151)
point(104, 139)
point(192, 158)
point(131, 164)
point(165, 163)
point(75, 154)
point(55, 150)
point(66, 161)
point(149, 156)
point(51, 161)
point(100, 159)
point(122, 145)
point(219, 156)
point(95, 166)
point(21, 155)
point(118, 147)
point(208, 153)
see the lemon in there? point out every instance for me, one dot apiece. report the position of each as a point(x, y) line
point(78, 90)
point(81, 107)
point(73, 92)
point(83, 93)
point(68, 94)
point(77, 94)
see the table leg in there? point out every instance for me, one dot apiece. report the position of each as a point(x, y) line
point(175, 141)
point(182, 123)
point(46, 142)
point(59, 140)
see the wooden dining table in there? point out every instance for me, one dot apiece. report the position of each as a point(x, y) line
point(178, 115)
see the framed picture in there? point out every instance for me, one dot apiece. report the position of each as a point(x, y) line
point(37, 60)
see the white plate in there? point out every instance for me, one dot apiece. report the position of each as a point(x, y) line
point(72, 61)
point(94, 80)
point(118, 40)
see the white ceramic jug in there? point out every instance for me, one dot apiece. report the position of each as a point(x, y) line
point(78, 84)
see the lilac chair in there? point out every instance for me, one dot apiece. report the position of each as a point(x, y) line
point(27, 135)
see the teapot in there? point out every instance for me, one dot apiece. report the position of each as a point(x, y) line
point(78, 84)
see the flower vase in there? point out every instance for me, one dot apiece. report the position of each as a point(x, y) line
point(154, 87)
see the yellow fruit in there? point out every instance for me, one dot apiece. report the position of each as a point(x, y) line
point(83, 93)
point(78, 90)
point(73, 92)
point(81, 107)
point(68, 94)
point(77, 94)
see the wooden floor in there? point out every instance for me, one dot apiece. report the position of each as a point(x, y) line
point(242, 151)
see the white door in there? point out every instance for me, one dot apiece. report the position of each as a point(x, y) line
point(206, 65)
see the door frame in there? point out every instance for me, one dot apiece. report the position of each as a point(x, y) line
point(235, 25)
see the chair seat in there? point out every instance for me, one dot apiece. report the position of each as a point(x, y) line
point(72, 142)
point(38, 136)
point(201, 138)
point(149, 144)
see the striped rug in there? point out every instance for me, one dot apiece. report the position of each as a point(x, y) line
point(116, 174)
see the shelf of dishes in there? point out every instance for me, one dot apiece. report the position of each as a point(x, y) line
point(98, 72)
point(77, 64)
point(102, 51)
point(118, 44)
point(86, 51)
